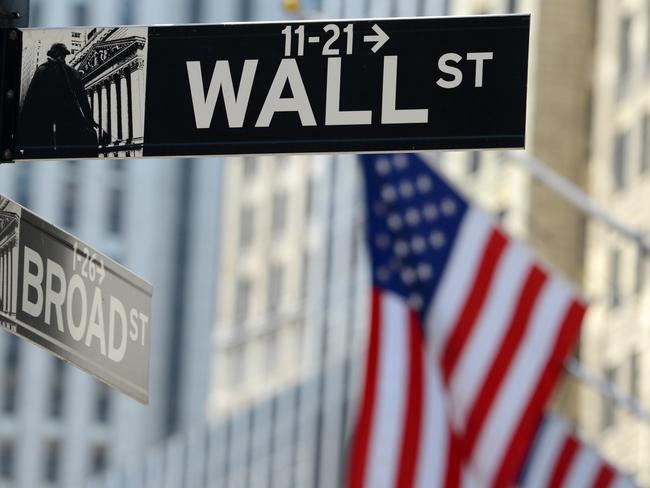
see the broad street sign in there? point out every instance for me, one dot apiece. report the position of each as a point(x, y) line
point(287, 87)
point(71, 300)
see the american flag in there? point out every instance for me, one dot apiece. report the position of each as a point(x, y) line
point(468, 336)
point(559, 459)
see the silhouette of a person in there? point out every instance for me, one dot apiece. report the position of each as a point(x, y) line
point(56, 119)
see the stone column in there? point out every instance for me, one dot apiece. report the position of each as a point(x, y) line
point(124, 105)
point(105, 108)
point(137, 99)
point(3, 281)
point(95, 105)
point(114, 110)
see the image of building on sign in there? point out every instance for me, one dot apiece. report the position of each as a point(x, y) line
point(9, 235)
point(82, 93)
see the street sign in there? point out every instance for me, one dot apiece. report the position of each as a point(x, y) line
point(66, 297)
point(283, 87)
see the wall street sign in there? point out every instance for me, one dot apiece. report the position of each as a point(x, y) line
point(71, 300)
point(293, 87)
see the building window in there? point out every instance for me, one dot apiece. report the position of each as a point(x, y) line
point(51, 466)
point(271, 360)
point(6, 460)
point(237, 365)
point(12, 358)
point(614, 278)
point(608, 411)
point(23, 179)
point(474, 162)
point(275, 289)
point(115, 211)
point(80, 14)
point(645, 143)
point(102, 403)
point(639, 272)
point(304, 281)
point(98, 459)
point(309, 197)
point(279, 214)
point(625, 48)
point(56, 388)
point(620, 161)
point(70, 194)
point(635, 377)
point(250, 168)
point(127, 11)
point(242, 300)
point(246, 226)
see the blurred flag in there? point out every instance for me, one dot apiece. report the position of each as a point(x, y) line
point(458, 308)
point(559, 459)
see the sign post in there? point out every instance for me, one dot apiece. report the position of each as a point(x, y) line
point(375, 85)
point(66, 297)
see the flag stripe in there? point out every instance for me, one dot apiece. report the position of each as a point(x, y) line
point(511, 342)
point(361, 439)
point(413, 417)
point(438, 463)
point(584, 470)
point(459, 274)
point(566, 338)
point(544, 454)
point(604, 477)
point(483, 346)
point(563, 462)
point(475, 299)
point(390, 404)
point(522, 380)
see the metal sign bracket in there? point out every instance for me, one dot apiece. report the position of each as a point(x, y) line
point(13, 14)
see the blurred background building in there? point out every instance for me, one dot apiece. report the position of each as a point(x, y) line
point(59, 426)
point(615, 339)
point(260, 272)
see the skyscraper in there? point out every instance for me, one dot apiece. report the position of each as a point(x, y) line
point(58, 425)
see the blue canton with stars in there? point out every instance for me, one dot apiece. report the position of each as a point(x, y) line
point(413, 220)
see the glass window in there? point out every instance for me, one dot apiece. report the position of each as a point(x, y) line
point(620, 161)
point(237, 365)
point(608, 410)
point(639, 274)
point(271, 360)
point(279, 214)
point(6, 460)
point(102, 403)
point(250, 168)
point(309, 197)
point(645, 143)
point(56, 388)
point(275, 290)
point(614, 278)
point(23, 180)
point(12, 358)
point(474, 162)
point(624, 48)
point(635, 376)
point(80, 14)
point(242, 300)
point(115, 220)
point(98, 459)
point(70, 195)
point(246, 226)
point(51, 466)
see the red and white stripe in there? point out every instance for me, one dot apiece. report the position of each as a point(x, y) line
point(559, 460)
point(402, 435)
point(500, 327)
